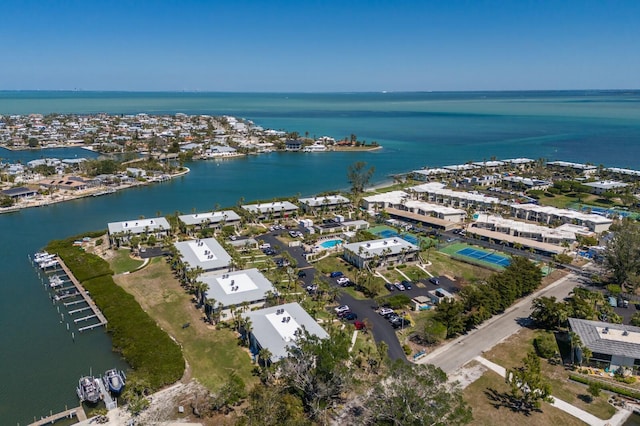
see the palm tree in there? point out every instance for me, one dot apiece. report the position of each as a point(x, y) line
point(264, 355)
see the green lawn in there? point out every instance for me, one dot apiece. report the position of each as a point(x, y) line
point(486, 396)
point(210, 353)
point(510, 353)
point(442, 264)
point(122, 262)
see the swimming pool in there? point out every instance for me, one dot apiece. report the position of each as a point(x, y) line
point(330, 243)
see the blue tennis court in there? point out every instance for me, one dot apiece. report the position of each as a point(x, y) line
point(389, 233)
point(484, 256)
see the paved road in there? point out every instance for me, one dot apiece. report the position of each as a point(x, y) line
point(381, 328)
point(457, 353)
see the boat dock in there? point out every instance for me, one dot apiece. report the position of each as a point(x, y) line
point(109, 402)
point(77, 412)
point(90, 303)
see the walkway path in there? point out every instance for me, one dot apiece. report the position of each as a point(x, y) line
point(378, 274)
point(403, 274)
point(424, 269)
point(618, 419)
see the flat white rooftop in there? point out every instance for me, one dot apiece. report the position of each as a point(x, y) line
point(328, 200)
point(235, 288)
point(205, 253)
point(209, 217)
point(284, 324)
point(139, 226)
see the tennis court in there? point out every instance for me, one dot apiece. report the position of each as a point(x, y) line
point(484, 256)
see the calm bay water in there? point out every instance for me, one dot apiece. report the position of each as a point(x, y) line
point(41, 363)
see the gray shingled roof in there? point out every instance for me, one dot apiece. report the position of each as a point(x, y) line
point(602, 343)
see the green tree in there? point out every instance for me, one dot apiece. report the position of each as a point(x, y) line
point(359, 176)
point(622, 253)
point(450, 314)
point(413, 394)
point(548, 313)
point(273, 405)
point(528, 387)
point(594, 389)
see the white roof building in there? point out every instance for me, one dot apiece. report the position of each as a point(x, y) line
point(238, 287)
point(603, 186)
point(330, 201)
point(210, 218)
point(275, 208)
point(525, 230)
point(140, 226)
point(387, 249)
point(276, 328)
point(436, 192)
point(549, 215)
point(205, 253)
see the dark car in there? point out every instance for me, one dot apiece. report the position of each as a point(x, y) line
point(400, 322)
point(350, 316)
point(269, 251)
point(407, 284)
point(359, 325)
point(434, 280)
point(344, 314)
point(302, 274)
point(336, 274)
point(390, 287)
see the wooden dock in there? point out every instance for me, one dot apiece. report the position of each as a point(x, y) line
point(77, 412)
point(82, 292)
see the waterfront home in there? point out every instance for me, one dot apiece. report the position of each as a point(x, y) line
point(213, 219)
point(293, 145)
point(73, 183)
point(437, 193)
point(121, 232)
point(490, 165)
point(519, 163)
point(627, 174)
point(336, 226)
point(206, 254)
point(433, 215)
point(555, 216)
point(19, 192)
point(247, 289)
point(484, 180)
point(429, 174)
point(567, 167)
point(523, 183)
point(274, 209)
point(323, 203)
point(220, 151)
point(612, 346)
point(556, 236)
point(602, 186)
point(385, 250)
point(278, 327)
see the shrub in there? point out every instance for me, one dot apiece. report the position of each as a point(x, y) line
point(99, 241)
point(397, 301)
point(606, 386)
point(545, 345)
point(407, 349)
point(614, 289)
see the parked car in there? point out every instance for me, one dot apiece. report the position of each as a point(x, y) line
point(392, 317)
point(344, 314)
point(385, 312)
point(312, 288)
point(264, 246)
point(389, 286)
point(302, 274)
point(359, 325)
point(269, 252)
point(407, 284)
point(336, 274)
point(350, 316)
point(282, 263)
point(399, 286)
point(342, 308)
point(293, 234)
point(400, 322)
point(434, 280)
point(346, 283)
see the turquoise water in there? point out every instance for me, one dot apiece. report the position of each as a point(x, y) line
point(330, 243)
point(41, 364)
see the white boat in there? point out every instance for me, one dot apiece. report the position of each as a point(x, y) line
point(43, 257)
point(55, 281)
point(48, 264)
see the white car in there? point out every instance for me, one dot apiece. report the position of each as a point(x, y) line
point(342, 280)
point(385, 311)
point(342, 308)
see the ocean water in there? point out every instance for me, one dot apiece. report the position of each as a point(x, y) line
point(41, 363)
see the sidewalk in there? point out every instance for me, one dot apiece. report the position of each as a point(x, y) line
point(618, 418)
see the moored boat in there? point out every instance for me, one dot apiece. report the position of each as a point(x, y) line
point(114, 380)
point(88, 390)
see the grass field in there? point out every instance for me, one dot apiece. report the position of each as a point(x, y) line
point(122, 262)
point(442, 264)
point(210, 353)
point(510, 353)
point(484, 397)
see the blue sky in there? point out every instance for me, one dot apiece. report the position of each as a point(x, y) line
point(317, 46)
